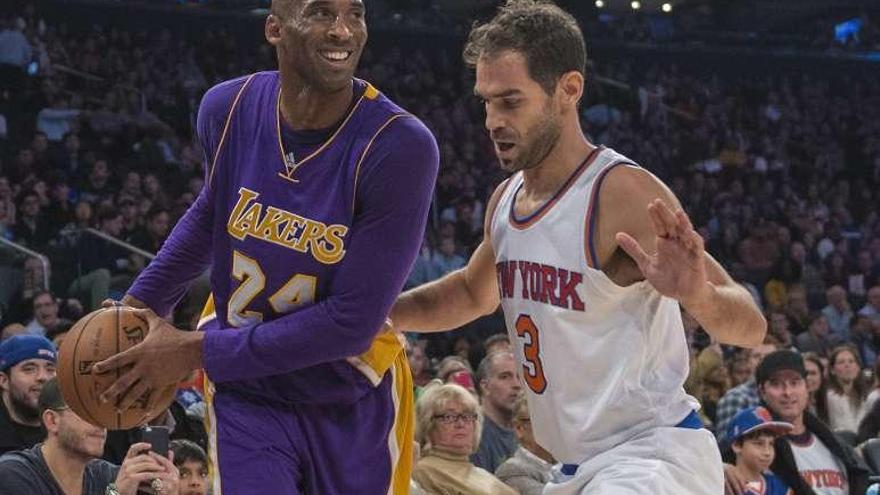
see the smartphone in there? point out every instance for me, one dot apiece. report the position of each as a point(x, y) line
point(157, 437)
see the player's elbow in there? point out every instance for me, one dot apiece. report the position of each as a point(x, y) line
point(757, 331)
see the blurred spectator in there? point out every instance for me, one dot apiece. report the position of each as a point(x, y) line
point(531, 466)
point(837, 313)
point(863, 275)
point(708, 380)
point(451, 365)
point(797, 309)
point(69, 159)
point(11, 330)
point(759, 252)
point(27, 362)
point(498, 342)
point(31, 228)
point(102, 265)
point(816, 385)
point(811, 276)
point(738, 368)
point(131, 220)
point(872, 305)
point(192, 465)
point(131, 186)
point(15, 53)
point(847, 390)
point(58, 332)
point(447, 260)
point(816, 338)
point(499, 386)
point(462, 346)
point(743, 396)
point(419, 364)
point(61, 208)
point(66, 461)
point(448, 424)
point(423, 268)
point(865, 337)
point(45, 307)
point(97, 184)
point(152, 235)
point(779, 327)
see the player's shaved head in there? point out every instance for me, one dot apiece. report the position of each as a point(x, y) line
point(279, 7)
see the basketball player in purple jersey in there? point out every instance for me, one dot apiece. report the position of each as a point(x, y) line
point(313, 211)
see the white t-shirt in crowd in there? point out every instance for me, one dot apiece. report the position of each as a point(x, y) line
point(819, 468)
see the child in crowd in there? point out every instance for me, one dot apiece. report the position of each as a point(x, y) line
point(752, 433)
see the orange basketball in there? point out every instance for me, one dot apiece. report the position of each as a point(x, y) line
point(96, 337)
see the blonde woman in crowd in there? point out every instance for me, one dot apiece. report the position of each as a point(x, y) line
point(448, 424)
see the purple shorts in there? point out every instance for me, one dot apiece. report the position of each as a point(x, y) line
point(259, 446)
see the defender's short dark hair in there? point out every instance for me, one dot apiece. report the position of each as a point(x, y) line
point(548, 37)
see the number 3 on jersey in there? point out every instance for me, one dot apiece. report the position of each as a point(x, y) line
point(528, 331)
point(299, 290)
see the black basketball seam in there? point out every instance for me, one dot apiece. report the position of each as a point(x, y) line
point(74, 361)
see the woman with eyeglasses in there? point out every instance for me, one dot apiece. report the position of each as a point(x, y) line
point(448, 424)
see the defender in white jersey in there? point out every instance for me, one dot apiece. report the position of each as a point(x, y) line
point(590, 280)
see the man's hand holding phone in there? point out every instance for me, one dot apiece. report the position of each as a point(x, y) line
point(143, 469)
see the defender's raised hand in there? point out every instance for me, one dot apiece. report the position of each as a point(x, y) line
point(677, 268)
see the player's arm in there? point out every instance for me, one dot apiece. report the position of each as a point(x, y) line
point(457, 298)
point(394, 195)
point(724, 308)
point(187, 252)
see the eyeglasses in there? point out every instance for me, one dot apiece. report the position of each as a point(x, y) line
point(449, 419)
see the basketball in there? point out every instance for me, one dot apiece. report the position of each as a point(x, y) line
point(96, 337)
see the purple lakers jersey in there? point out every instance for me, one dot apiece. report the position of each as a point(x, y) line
point(309, 236)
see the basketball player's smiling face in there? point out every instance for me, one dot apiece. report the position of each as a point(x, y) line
point(319, 40)
point(522, 119)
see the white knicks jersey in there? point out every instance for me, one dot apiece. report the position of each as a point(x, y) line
point(602, 363)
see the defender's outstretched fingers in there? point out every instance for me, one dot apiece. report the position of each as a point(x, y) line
point(660, 227)
point(667, 217)
point(633, 249)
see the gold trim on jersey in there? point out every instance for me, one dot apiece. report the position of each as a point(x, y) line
point(290, 163)
point(226, 128)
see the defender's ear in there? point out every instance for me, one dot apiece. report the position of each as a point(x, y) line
point(571, 87)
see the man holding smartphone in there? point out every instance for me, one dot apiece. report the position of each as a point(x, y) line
point(67, 462)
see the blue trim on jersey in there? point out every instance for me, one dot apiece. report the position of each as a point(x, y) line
point(691, 421)
point(559, 192)
point(594, 210)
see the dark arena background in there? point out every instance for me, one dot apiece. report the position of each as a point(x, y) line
point(761, 116)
